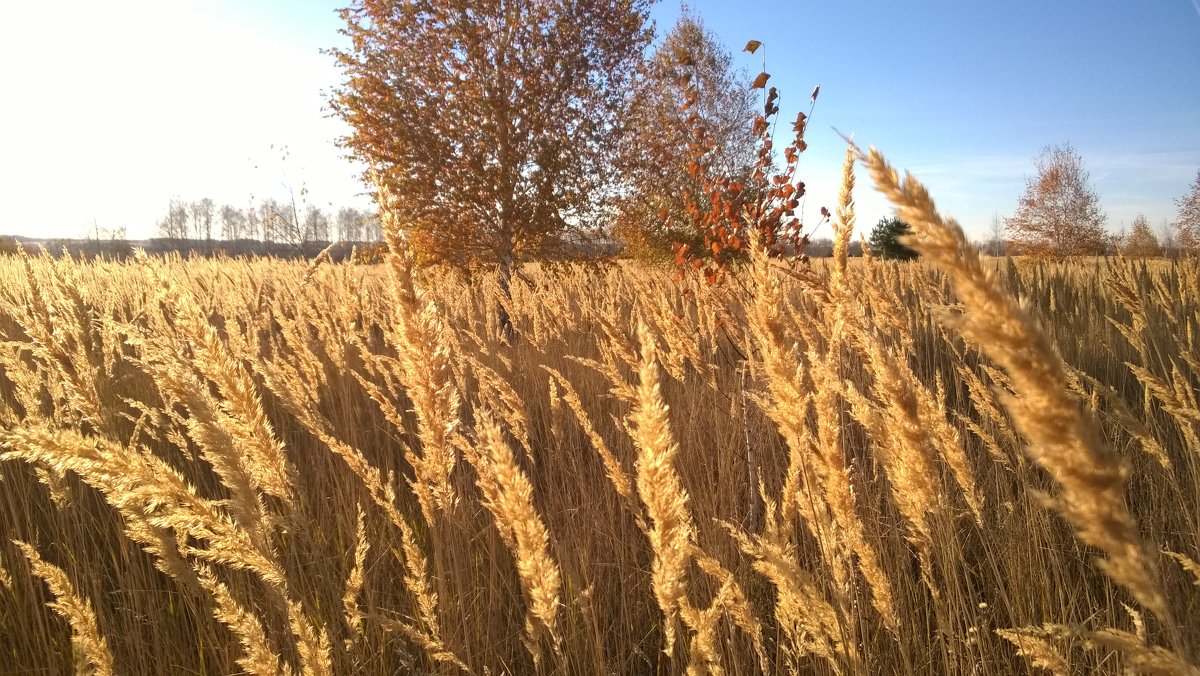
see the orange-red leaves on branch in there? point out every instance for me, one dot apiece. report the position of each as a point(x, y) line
point(757, 211)
point(770, 108)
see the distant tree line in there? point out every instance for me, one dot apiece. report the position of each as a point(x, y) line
point(270, 221)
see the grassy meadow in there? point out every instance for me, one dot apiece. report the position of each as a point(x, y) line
point(259, 466)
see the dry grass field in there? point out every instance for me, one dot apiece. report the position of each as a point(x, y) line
point(952, 466)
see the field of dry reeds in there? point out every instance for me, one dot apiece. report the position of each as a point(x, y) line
point(257, 466)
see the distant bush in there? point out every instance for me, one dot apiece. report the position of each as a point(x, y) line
point(1141, 242)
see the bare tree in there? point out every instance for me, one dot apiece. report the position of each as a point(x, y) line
point(175, 224)
point(273, 216)
point(995, 245)
point(316, 225)
point(349, 224)
point(202, 218)
point(1059, 215)
point(372, 227)
point(1166, 236)
point(1187, 222)
point(233, 223)
point(284, 223)
point(253, 222)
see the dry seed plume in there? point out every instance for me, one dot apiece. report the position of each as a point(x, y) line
point(92, 655)
point(1063, 436)
point(659, 487)
point(516, 516)
point(425, 358)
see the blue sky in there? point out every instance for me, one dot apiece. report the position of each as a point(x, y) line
point(112, 108)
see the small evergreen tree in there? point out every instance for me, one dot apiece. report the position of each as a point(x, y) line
point(885, 241)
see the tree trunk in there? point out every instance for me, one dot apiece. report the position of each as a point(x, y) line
point(506, 272)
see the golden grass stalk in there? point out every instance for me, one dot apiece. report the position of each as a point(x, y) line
point(298, 392)
point(209, 428)
point(704, 654)
point(502, 398)
point(312, 642)
point(92, 654)
point(895, 428)
point(810, 625)
point(354, 581)
point(1187, 563)
point(1136, 427)
point(843, 225)
point(146, 489)
point(258, 656)
point(612, 467)
point(1034, 645)
point(1138, 656)
point(912, 406)
point(661, 490)
point(792, 380)
point(425, 358)
point(416, 580)
point(732, 602)
point(432, 646)
point(246, 422)
point(541, 581)
point(839, 491)
point(1064, 438)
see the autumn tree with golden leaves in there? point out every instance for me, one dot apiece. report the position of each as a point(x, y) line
point(660, 127)
point(1059, 215)
point(493, 122)
point(1141, 241)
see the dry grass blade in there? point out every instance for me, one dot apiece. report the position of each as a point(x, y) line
point(425, 358)
point(1033, 645)
point(354, 581)
point(1187, 563)
point(92, 654)
point(1064, 438)
point(659, 487)
point(616, 473)
point(515, 513)
point(258, 657)
point(150, 491)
